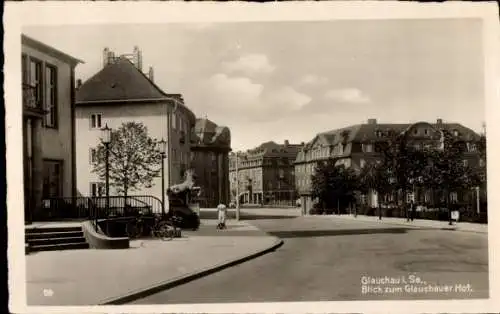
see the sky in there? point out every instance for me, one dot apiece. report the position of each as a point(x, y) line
point(277, 81)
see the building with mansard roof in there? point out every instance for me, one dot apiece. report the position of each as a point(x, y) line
point(357, 145)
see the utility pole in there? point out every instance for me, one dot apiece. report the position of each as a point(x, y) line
point(237, 189)
point(478, 205)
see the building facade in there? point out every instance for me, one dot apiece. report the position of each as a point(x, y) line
point(210, 147)
point(120, 92)
point(357, 145)
point(48, 125)
point(265, 174)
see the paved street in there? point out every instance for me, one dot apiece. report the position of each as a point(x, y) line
point(325, 259)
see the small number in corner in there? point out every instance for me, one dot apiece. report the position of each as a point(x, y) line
point(48, 292)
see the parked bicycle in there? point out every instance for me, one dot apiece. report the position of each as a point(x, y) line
point(157, 226)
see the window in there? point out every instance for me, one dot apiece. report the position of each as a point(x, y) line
point(96, 121)
point(24, 67)
point(36, 80)
point(52, 178)
point(97, 188)
point(410, 197)
point(472, 147)
point(174, 121)
point(93, 155)
point(465, 162)
point(51, 96)
point(362, 163)
point(415, 131)
point(481, 163)
point(455, 133)
point(367, 148)
point(453, 196)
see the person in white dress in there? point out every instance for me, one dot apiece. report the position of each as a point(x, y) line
point(221, 211)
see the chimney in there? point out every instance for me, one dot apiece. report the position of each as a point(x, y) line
point(78, 83)
point(151, 74)
point(105, 57)
point(287, 143)
point(302, 143)
point(137, 58)
point(439, 121)
point(372, 121)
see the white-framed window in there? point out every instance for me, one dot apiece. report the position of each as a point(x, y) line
point(410, 197)
point(92, 155)
point(362, 163)
point(453, 196)
point(481, 162)
point(174, 121)
point(472, 147)
point(465, 162)
point(97, 188)
point(96, 121)
point(51, 118)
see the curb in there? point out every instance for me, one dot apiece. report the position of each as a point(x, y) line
point(417, 227)
point(141, 293)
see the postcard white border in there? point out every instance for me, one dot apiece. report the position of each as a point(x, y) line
point(18, 14)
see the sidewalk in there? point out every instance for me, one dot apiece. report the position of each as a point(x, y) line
point(417, 223)
point(92, 277)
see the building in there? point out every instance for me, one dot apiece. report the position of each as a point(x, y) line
point(48, 125)
point(265, 174)
point(210, 147)
point(357, 145)
point(120, 92)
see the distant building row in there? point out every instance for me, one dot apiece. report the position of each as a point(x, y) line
point(273, 173)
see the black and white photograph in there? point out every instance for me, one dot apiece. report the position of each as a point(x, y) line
point(252, 163)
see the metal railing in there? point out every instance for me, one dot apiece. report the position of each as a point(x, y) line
point(85, 207)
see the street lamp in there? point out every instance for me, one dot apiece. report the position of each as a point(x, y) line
point(162, 146)
point(237, 189)
point(106, 139)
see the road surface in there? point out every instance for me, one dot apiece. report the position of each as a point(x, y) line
point(325, 259)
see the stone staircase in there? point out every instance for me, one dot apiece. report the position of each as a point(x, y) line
point(54, 238)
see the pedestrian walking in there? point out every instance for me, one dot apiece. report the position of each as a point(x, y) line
point(221, 213)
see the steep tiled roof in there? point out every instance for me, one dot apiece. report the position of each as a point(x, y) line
point(118, 81)
point(367, 132)
point(207, 132)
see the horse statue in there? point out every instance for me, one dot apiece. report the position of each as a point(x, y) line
point(185, 191)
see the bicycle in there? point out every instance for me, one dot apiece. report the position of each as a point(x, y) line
point(164, 229)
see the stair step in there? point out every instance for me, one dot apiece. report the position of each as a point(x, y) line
point(52, 229)
point(53, 235)
point(47, 241)
point(59, 247)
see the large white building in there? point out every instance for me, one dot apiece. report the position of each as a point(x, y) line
point(120, 92)
point(48, 125)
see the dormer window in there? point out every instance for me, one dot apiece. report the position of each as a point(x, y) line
point(426, 132)
point(415, 131)
point(471, 147)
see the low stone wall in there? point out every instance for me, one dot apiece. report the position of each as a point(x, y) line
point(100, 241)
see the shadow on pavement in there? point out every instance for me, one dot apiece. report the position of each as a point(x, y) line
point(325, 233)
